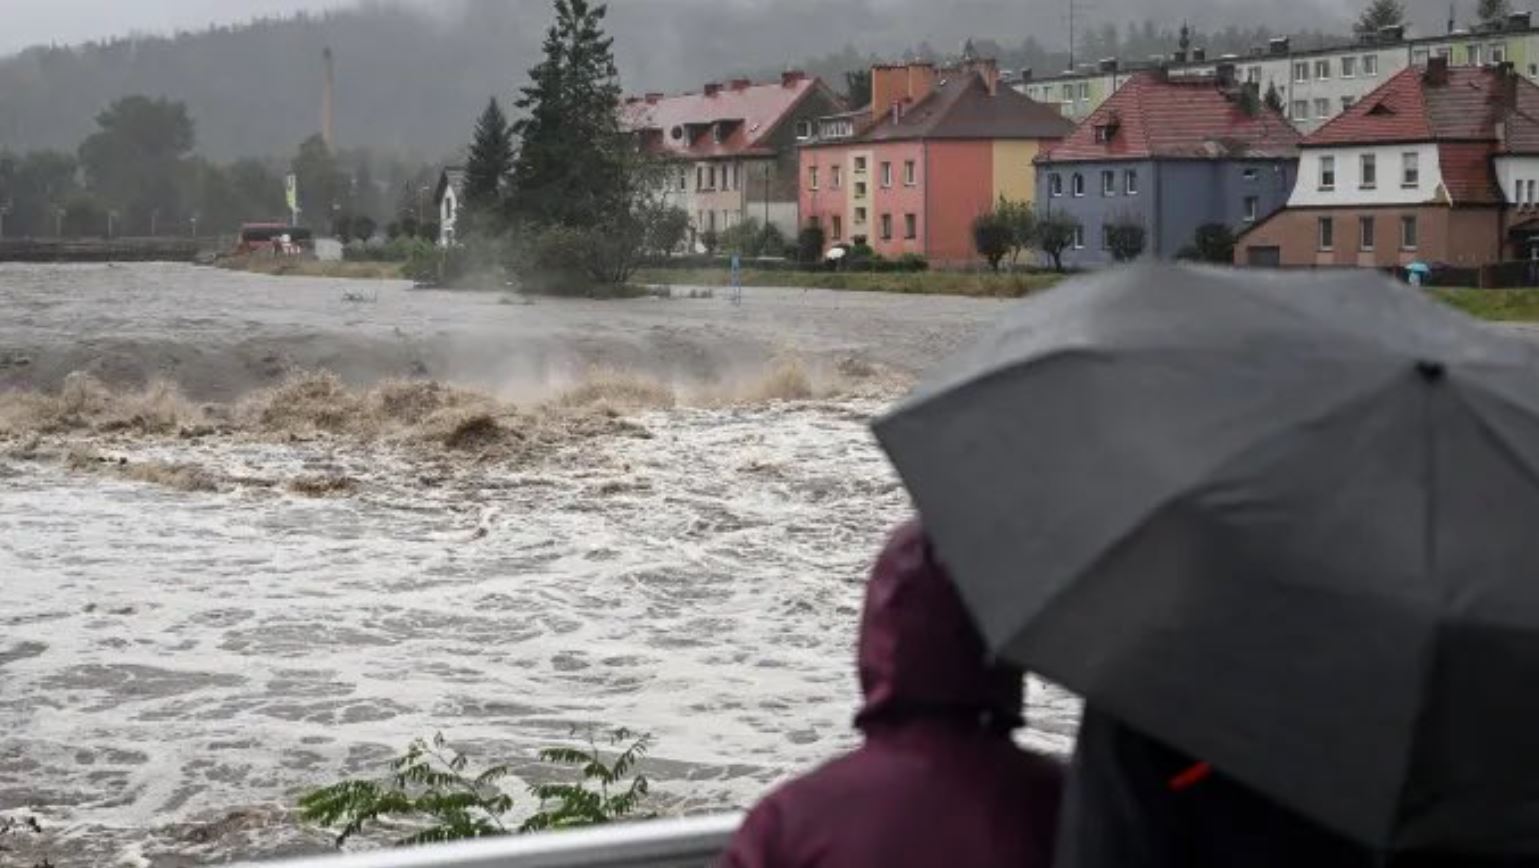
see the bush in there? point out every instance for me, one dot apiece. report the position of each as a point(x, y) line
point(993, 237)
point(1055, 233)
point(710, 240)
point(432, 789)
point(1126, 237)
point(1214, 243)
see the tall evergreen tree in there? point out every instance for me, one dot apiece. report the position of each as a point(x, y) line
point(489, 163)
point(573, 154)
point(1380, 14)
point(1493, 10)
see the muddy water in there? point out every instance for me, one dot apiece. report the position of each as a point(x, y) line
point(176, 665)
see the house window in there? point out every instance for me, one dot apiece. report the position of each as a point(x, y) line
point(812, 178)
point(1084, 91)
point(1410, 170)
point(1368, 164)
point(886, 174)
point(737, 182)
point(910, 173)
point(1253, 75)
point(710, 177)
point(1102, 133)
point(1365, 234)
point(1349, 67)
point(1347, 102)
point(803, 130)
point(838, 223)
point(1301, 71)
point(1407, 233)
point(1301, 110)
point(1498, 53)
point(860, 189)
point(1474, 54)
point(835, 176)
point(1370, 65)
point(886, 227)
point(910, 226)
point(1078, 184)
point(1327, 233)
point(1322, 108)
point(1249, 175)
point(1322, 69)
point(1531, 192)
point(1079, 236)
point(1327, 173)
point(860, 165)
point(1108, 183)
point(683, 180)
point(1055, 185)
point(860, 216)
point(1130, 182)
point(1419, 57)
point(1252, 208)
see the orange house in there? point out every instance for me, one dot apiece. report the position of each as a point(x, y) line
point(936, 148)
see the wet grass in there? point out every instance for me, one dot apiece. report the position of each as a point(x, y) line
point(1497, 305)
point(982, 284)
point(295, 267)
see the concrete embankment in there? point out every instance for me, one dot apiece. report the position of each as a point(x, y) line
point(104, 249)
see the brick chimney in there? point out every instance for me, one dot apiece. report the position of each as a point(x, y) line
point(792, 77)
point(1437, 71)
point(654, 98)
point(712, 88)
point(902, 84)
point(1226, 75)
point(741, 84)
point(987, 69)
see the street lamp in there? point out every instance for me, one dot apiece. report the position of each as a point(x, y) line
point(112, 217)
point(58, 221)
point(194, 226)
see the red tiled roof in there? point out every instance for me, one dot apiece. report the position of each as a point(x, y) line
point(1467, 174)
point(683, 125)
point(1408, 108)
point(961, 107)
point(1178, 118)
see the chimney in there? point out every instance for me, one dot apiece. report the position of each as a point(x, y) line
point(1508, 75)
point(1279, 46)
point(712, 88)
point(1199, 55)
point(792, 77)
point(986, 69)
point(1109, 64)
point(741, 84)
point(1392, 33)
point(1520, 21)
point(906, 83)
point(328, 101)
point(1179, 57)
point(1437, 71)
point(1225, 74)
point(654, 98)
point(1026, 74)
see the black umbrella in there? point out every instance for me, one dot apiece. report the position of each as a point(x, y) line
point(1287, 524)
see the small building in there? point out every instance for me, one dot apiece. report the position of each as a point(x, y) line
point(731, 148)
point(1438, 165)
point(449, 195)
point(935, 149)
point(1171, 154)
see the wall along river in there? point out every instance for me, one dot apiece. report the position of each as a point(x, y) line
point(257, 534)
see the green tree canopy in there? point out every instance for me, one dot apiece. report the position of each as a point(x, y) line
point(134, 157)
point(489, 163)
point(1380, 14)
point(573, 153)
point(320, 183)
point(857, 87)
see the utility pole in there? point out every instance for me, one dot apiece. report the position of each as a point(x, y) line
point(1071, 35)
point(194, 226)
point(58, 221)
point(5, 208)
point(112, 217)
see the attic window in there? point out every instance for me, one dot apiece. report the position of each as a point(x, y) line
point(1105, 132)
point(1381, 109)
point(803, 130)
point(677, 133)
point(718, 133)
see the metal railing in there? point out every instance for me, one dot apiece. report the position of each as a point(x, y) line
point(694, 842)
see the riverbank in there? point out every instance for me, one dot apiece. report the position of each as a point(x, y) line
point(1496, 305)
point(289, 266)
point(979, 285)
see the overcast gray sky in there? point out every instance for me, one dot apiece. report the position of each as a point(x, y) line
point(32, 22)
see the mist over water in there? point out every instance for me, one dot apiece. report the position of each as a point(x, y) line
point(256, 538)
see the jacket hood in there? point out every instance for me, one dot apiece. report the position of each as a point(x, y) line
point(919, 653)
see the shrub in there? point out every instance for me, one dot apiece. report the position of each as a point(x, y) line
point(1214, 243)
point(432, 789)
point(710, 240)
point(1055, 232)
point(992, 237)
point(1126, 237)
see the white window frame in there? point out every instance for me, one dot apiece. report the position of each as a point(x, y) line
point(1349, 67)
point(860, 216)
point(1474, 55)
point(910, 227)
point(1325, 226)
point(1323, 69)
point(1370, 65)
point(1322, 108)
point(1077, 185)
point(1079, 236)
point(1367, 240)
point(1108, 182)
point(1367, 164)
point(836, 177)
point(1055, 185)
point(812, 178)
point(1410, 170)
point(1300, 71)
point(887, 174)
point(1130, 182)
point(1409, 240)
point(1497, 52)
point(803, 131)
point(1301, 109)
point(886, 226)
point(860, 165)
point(1327, 168)
point(910, 173)
point(1252, 209)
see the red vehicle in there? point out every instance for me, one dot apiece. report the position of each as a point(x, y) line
point(277, 238)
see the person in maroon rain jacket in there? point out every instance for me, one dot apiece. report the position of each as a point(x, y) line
point(939, 780)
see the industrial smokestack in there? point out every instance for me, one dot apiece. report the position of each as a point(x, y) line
point(328, 102)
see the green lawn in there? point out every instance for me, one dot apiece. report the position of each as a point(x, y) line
point(927, 282)
point(1499, 305)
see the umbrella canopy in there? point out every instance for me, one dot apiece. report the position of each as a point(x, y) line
point(1419, 268)
point(1288, 524)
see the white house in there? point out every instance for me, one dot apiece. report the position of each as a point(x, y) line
point(451, 191)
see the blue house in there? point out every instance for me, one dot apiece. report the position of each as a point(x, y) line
point(1171, 154)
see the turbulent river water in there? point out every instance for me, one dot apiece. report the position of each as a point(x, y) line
point(257, 534)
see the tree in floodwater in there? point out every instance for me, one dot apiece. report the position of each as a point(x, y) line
point(320, 183)
point(134, 157)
